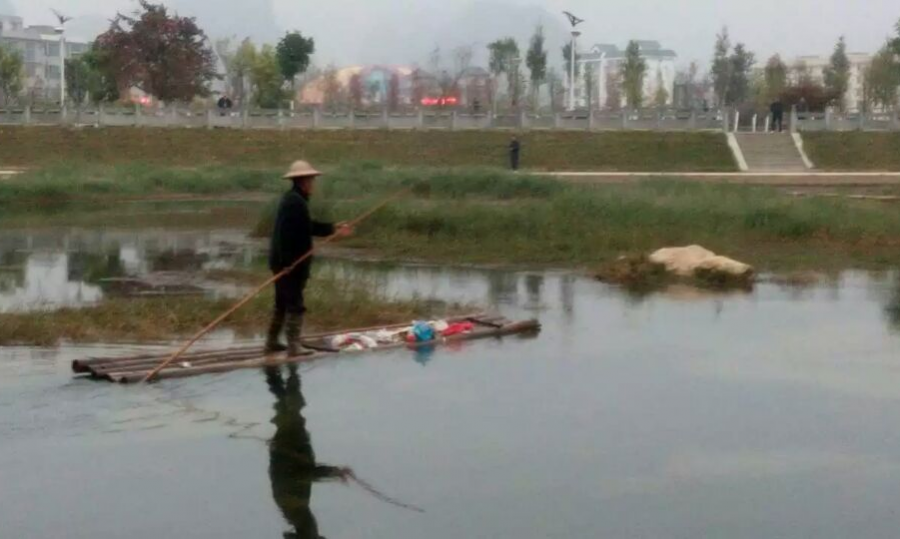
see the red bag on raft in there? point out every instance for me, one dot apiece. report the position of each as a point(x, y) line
point(459, 327)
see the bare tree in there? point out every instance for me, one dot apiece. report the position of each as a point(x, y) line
point(331, 88)
point(537, 64)
point(614, 90)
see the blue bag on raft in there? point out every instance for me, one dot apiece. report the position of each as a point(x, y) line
point(423, 332)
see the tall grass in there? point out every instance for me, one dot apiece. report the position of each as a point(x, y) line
point(484, 216)
point(60, 183)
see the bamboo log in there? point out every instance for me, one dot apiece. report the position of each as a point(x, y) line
point(83, 366)
point(99, 370)
point(132, 376)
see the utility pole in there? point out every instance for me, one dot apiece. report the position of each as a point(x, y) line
point(61, 30)
point(575, 35)
point(574, 21)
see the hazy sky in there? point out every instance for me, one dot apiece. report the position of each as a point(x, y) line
point(401, 31)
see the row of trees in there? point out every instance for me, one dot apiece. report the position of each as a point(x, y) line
point(736, 83)
point(504, 60)
point(628, 81)
point(171, 58)
point(266, 75)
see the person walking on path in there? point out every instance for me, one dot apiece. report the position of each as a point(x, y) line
point(777, 110)
point(514, 149)
point(292, 238)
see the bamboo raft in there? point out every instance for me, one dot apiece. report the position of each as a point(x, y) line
point(133, 369)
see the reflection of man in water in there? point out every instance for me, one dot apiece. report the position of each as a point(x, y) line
point(292, 463)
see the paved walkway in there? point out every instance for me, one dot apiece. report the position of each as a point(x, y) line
point(811, 178)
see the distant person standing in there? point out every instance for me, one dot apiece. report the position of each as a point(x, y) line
point(777, 109)
point(514, 150)
point(225, 104)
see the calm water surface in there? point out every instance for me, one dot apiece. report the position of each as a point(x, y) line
point(682, 415)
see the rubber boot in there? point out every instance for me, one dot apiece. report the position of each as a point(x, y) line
point(294, 328)
point(273, 346)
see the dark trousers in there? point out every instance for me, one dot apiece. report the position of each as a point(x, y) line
point(514, 160)
point(289, 294)
point(778, 119)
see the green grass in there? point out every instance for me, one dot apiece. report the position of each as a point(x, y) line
point(333, 304)
point(854, 151)
point(205, 214)
point(490, 216)
point(541, 150)
point(65, 183)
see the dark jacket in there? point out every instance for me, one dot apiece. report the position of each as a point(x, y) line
point(514, 147)
point(293, 234)
point(777, 108)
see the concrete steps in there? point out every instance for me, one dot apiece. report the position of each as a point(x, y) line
point(770, 152)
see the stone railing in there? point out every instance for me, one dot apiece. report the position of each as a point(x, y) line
point(859, 121)
point(818, 121)
point(110, 116)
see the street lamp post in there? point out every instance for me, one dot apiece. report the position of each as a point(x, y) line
point(62, 65)
point(575, 35)
point(61, 30)
point(574, 21)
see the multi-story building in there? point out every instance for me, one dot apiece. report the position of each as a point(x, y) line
point(815, 67)
point(413, 86)
point(603, 65)
point(40, 49)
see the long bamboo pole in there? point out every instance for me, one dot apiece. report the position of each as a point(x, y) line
point(212, 325)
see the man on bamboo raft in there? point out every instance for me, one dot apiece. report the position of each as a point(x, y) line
point(292, 462)
point(292, 238)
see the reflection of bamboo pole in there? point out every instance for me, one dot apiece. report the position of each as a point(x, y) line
point(212, 325)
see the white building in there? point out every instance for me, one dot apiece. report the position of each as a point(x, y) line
point(40, 48)
point(816, 66)
point(606, 61)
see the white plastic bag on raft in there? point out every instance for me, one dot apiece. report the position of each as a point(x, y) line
point(348, 340)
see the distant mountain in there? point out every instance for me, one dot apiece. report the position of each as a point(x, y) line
point(484, 22)
point(218, 19)
point(475, 25)
point(242, 18)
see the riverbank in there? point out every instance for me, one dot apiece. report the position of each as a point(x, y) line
point(854, 150)
point(511, 219)
point(541, 150)
point(333, 303)
point(485, 215)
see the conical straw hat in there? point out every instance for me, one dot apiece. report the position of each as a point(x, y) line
point(301, 169)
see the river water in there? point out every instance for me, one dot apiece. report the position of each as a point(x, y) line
point(683, 415)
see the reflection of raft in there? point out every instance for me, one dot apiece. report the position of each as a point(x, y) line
point(133, 369)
